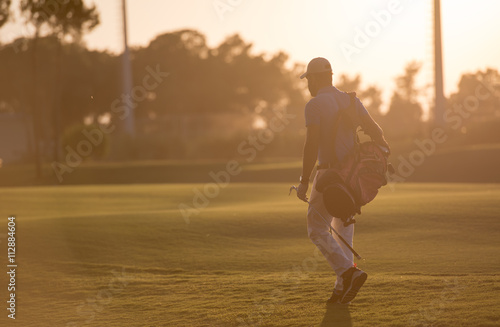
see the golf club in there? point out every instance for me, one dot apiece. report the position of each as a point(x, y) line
point(330, 226)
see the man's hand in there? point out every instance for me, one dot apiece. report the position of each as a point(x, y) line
point(308, 160)
point(302, 191)
point(384, 143)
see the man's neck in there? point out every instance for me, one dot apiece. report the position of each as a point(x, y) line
point(324, 86)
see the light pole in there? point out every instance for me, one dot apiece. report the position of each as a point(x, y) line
point(439, 101)
point(128, 121)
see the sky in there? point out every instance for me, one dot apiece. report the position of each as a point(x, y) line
point(373, 38)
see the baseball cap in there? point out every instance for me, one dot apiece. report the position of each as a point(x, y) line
point(317, 65)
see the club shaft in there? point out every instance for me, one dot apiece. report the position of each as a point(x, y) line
point(329, 225)
point(336, 233)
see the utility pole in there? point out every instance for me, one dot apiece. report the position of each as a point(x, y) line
point(439, 100)
point(37, 133)
point(128, 121)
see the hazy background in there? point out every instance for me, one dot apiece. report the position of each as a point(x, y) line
point(151, 187)
point(307, 29)
point(231, 66)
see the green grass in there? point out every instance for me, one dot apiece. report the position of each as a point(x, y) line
point(123, 256)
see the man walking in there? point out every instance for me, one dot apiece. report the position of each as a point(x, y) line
point(320, 114)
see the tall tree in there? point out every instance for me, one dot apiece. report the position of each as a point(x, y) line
point(371, 96)
point(405, 112)
point(372, 100)
point(486, 84)
point(4, 11)
point(68, 18)
point(405, 83)
point(61, 19)
point(348, 84)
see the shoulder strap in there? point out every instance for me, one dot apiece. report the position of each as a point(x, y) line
point(343, 111)
point(352, 111)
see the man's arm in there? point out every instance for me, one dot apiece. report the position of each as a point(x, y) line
point(369, 126)
point(308, 159)
point(373, 130)
point(310, 153)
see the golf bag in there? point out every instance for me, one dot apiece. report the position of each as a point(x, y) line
point(353, 182)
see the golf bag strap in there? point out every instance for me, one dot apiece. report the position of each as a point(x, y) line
point(349, 110)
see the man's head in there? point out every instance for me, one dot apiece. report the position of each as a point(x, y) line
point(318, 74)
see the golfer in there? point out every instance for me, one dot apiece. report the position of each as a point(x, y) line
point(322, 145)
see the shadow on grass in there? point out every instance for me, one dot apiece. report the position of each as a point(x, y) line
point(337, 315)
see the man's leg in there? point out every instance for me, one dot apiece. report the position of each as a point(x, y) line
point(349, 278)
point(348, 284)
point(348, 234)
point(319, 233)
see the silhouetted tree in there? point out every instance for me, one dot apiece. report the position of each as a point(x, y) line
point(371, 96)
point(222, 81)
point(4, 11)
point(474, 110)
point(406, 83)
point(372, 100)
point(66, 21)
point(473, 86)
point(208, 91)
point(405, 112)
point(348, 84)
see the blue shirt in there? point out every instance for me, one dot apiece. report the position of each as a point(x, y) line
point(322, 110)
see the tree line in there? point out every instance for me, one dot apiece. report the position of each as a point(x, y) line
point(208, 100)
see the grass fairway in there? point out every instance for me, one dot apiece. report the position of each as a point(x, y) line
point(124, 256)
